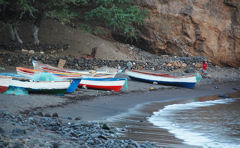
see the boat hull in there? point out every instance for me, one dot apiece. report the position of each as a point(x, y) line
point(114, 84)
point(3, 89)
point(165, 79)
point(100, 82)
point(29, 73)
point(4, 83)
point(72, 73)
point(183, 84)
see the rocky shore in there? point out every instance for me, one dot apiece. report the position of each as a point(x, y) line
point(26, 127)
point(38, 130)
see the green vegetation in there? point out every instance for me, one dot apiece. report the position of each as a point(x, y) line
point(118, 15)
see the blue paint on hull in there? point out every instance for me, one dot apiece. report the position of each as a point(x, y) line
point(74, 85)
point(183, 84)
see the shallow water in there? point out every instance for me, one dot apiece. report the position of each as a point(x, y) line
point(205, 124)
point(185, 123)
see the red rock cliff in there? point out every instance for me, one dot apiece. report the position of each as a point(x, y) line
point(208, 28)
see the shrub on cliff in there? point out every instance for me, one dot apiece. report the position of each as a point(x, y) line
point(118, 15)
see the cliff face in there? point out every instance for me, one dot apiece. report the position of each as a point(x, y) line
point(208, 28)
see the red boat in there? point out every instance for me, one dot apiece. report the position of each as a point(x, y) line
point(5, 81)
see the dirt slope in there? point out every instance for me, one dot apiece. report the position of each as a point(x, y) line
point(80, 43)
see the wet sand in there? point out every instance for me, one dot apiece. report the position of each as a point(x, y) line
point(129, 112)
point(104, 108)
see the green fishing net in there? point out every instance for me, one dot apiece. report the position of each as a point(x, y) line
point(45, 76)
point(16, 91)
point(198, 77)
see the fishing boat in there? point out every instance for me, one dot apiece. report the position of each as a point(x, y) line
point(166, 79)
point(5, 81)
point(29, 73)
point(86, 80)
point(60, 87)
point(114, 84)
point(86, 73)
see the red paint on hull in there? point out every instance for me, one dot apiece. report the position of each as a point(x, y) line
point(115, 88)
point(3, 89)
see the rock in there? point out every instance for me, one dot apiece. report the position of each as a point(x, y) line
point(169, 65)
point(2, 131)
point(18, 132)
point(18, 145)
point(31, 120)
point(198, 65)
point(31, 52)
point(55, 115)
point(105, 127)
point(47, 115)
point(24, 51)
point(224, 96)
point(55, 145)
point(184, 65)
point(189, 71)
point(78, 118)
point(39, 114)
point(176, 64)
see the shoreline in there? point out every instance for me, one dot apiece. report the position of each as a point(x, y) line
point(97, 111)
point(135, 124)
point(104, 106)
point(33, 102)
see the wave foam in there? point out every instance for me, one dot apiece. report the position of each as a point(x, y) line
point(161, 119)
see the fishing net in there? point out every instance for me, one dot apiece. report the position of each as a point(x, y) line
point(126, 83)
point(16, 91)
point(198, 77)
point(45, 76)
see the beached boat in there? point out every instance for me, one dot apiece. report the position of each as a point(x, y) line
point(166, 79)
point(29, 73)
point(86, 73)
point(114, 84)
point(61, 86)
point(5, 81)
point(86, 81)
point(46, 86)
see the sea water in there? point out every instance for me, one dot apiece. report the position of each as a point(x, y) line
point(206, 124)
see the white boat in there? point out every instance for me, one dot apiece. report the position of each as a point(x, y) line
point(70, 73)
point(63, 86)
point(166, 79)
point(114, 84)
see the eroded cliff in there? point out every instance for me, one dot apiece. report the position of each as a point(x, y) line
point(208, 28)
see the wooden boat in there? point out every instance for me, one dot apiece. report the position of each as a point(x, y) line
point(114, 84)
point(5, 81)
point(46, 86)
point(88, 73)
point(166, 79)
point(89, 82)
point(64, 86)
point(29, 73)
